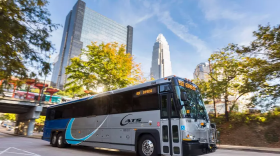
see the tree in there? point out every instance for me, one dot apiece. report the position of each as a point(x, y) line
point(25, 28)
point(209, 91)
point(10, 116)
point(104, 65)
point(40, 120)
point(264, 57)
point(230, 73)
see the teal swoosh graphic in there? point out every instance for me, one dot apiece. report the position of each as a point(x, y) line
point(75, 141)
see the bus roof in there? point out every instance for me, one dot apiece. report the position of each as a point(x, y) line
point(142, 85)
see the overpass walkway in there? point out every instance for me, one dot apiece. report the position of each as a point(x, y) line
point(27, 111)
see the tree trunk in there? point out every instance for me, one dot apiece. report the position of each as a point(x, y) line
point(215, 110)
point(226, 107)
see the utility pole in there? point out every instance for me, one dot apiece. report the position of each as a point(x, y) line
point(213, 94)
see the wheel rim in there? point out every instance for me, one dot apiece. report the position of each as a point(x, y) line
point(54, 139)
point(148, 147)
point(60, 140)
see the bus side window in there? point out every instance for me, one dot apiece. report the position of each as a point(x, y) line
point(174, 112)
point(52, 114)
point(121, 103)
point(145, 103)
point(164, 113)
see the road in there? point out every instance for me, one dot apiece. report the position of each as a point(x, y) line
point(22, 146)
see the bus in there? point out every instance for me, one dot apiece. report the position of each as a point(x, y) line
point(165, 116)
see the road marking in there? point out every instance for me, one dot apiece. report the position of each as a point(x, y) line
point(5, 150)
point(25, 152)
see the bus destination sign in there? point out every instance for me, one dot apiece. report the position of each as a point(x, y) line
point(146, 91)
point(183, 84)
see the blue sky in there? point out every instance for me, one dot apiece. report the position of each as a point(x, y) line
point(193, 28)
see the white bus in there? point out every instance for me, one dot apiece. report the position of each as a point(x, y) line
point(166, 116)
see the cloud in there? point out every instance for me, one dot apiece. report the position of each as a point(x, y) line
point(134, 13)
point(215, 11)
point(239, 24)
point(182, 32)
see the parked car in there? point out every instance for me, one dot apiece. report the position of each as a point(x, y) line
point(5, 123)
point(9, 127)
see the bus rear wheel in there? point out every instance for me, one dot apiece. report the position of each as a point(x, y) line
point(54, 140)
point(61, 141)
point(147, 146)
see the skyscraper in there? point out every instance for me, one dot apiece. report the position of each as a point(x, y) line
point(83, 26)
point(202, 71)
point(161, 64)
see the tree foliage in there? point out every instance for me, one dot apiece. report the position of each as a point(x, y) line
point(40, 120)
point(264, 56)
point(10, 116)
point(230, 75)
point(25, 28)
point(105, 65)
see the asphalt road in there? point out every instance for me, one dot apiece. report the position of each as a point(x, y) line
point(22, 146)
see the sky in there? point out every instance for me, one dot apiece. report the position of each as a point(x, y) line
point(193, 28)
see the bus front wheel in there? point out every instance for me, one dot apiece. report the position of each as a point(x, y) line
point(147, 146)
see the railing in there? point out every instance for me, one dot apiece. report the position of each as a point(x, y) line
point(29, 101)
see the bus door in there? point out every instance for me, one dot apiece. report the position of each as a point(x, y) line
point(170, 126)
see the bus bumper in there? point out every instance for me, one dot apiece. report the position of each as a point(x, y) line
point(196, 148)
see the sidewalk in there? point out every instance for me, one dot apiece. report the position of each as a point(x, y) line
point(248, 148)
point(35, 134)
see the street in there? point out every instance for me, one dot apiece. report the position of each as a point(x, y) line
point(15, 146)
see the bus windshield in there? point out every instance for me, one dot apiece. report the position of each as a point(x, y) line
point(192, 106)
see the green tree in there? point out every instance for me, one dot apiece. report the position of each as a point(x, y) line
point(10, 116)
point(210, 91)
point(104, 65)
point(230, 75)
point(25, 28)
point(264, 57)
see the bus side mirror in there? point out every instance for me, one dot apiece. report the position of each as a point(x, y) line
point(183, 96)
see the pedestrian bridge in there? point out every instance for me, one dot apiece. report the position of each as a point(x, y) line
point(27, 111)
point(19, 106)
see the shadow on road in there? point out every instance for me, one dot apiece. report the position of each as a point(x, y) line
point(96, 151)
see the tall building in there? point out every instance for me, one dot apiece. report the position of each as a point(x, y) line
point(83, 26)
point(202, 71)
point(161, 64)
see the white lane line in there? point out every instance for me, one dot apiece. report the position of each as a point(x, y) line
point(21, 153)
point(5, 150)
point(26, 152)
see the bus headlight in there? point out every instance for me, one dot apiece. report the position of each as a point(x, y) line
point(189, 138)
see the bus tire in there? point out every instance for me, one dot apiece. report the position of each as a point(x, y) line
point(61, 141)
point(147, 146)
point(54, 140)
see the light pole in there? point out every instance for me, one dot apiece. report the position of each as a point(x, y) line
point(43, 86)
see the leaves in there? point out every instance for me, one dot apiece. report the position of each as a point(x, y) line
point(263, 56)
point(105, 65)
point(40, 120)
point(25, 28)
point(10, 116)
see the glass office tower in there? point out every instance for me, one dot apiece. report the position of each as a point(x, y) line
point(83, 26)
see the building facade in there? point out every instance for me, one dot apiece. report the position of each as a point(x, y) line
point(83, 26)
point(202, 71)
point(161, 64)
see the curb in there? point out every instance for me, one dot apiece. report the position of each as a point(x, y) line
point(248, 148)
point(21, 135)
